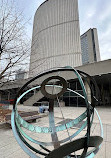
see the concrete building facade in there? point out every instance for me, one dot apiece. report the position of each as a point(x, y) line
point(56, 36)
point(90, 46)
point(101, 71)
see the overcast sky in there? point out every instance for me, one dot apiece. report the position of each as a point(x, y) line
point(92, 14)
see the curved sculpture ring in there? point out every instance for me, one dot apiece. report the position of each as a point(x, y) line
point(68, 146)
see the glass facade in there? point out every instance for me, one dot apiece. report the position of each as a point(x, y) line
point(90, 46)
point(72, 99)
point(84, 49)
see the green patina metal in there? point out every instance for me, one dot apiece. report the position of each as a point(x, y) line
point(51, 143)
point(38, 129)
point(48, 129)
point(18, 122)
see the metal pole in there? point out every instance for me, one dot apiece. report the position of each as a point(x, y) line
point(52, 124)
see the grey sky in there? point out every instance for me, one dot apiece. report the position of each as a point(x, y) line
point(92, 13)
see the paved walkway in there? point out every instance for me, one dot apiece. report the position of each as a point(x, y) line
point(9, 148)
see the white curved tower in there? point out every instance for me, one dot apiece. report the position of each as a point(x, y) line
point(56, 36)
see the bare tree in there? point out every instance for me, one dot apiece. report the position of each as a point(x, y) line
point(14, 43)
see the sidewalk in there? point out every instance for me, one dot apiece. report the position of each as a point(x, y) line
point(9, 148)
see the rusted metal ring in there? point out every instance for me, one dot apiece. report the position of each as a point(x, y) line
point(53, 96)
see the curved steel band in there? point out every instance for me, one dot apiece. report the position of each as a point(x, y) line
point(39, 129)
point(20, 142)
point(40, 75)
point(16, 121)
point(66, 149)
point(13, 127)
point(47, 129)
point(52, 143)
point(84, 92)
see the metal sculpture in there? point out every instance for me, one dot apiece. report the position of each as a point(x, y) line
point(68, 146)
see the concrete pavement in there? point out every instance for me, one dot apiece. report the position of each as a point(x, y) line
point(9, 148)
